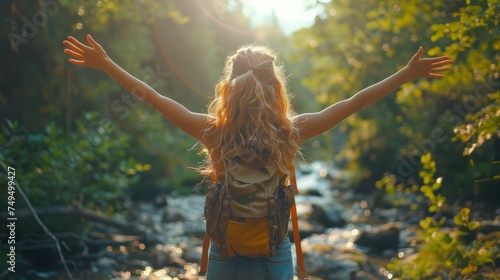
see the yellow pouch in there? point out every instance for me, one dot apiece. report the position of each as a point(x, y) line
point(248, 237)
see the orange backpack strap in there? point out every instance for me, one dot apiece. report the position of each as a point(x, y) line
point(296, 235)
point(206, 242)
point(204, 255)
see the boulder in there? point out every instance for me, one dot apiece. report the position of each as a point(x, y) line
point(336, 263)
point(327, 216)
point(306, 228)
point(380, 238)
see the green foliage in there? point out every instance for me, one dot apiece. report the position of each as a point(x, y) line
point(89, 167)
point(475, 42)
point(177, 47)
point(351, 47)
point(429, 189)
point(431, 184)
point(445, 253)
point(442, 255)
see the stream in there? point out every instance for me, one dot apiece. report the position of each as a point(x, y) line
point(342, 234)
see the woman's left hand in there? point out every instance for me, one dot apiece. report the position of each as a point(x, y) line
point(92, 56)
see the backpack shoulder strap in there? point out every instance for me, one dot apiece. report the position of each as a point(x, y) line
point(206, 242)
point(296, 235)
point(204, 255)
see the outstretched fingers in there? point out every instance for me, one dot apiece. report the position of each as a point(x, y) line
point(435, 75)
point(93, 43)
point(435, 72)
point(72, 46)
point(435, 59)
point(73, 53)
point(77, 62)
point(442, 62)
point(440, 69)
point(77, 43)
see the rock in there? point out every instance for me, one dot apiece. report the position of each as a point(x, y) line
point(173, 217)
point(194, 228)
point(317, 178)
point(336, 263)
point(311, 192)
point(363, 275)
point(179, 262)
point(408, 236)
point(188, 208)
point(192, 255)
point(106, 265)
point(306, 228)
point(386, 215)
point(161, 201)
point(327, 216)
point(147, 207)
point(323, 210)
point(160, 258)
point(487, 227)
point(137, 265)
point(40, 275)
point(381, 238)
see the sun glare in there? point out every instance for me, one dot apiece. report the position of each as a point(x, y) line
point(284, 9)
point(291, 14)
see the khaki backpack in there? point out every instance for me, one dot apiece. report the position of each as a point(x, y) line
point(248, 213)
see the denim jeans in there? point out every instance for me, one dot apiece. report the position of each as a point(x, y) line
point(279, 267)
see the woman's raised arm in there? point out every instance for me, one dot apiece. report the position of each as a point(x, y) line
point(312, 124)
point(94, 56)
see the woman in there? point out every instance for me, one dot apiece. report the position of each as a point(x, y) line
point(251, 110)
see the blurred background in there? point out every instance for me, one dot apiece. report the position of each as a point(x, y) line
point(419, 172)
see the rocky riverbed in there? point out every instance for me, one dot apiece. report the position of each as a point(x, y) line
point(343, 237)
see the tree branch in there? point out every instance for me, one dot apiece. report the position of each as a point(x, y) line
point(80, 212)
point(21, 192)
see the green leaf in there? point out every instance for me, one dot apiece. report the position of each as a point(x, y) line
point(435, 51)
point(426, 158)
point(425, 223)
point(465, 212)
point(436, 186)
point(447, 238)
point(469, 269)
point(462, 217)
point(482, 259)
point(427, 179)
point(473, 225)
point(458, 220)
point(425, 189)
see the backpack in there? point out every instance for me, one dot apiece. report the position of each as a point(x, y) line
point(247, 214)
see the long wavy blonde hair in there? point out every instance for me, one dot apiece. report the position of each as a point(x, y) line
point(251, 110)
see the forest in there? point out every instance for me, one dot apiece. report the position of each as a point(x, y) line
point(85, 151)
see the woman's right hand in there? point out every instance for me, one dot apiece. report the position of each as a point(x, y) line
point(92, 56)
point(428, 67)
